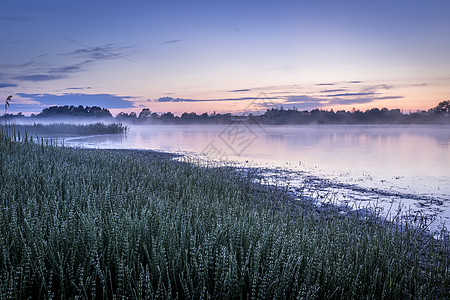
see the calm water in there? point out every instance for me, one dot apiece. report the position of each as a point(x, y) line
point(390, 166)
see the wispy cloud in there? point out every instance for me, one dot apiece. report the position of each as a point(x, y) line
point(388, 97)
point(303, 99)
point(104, 52)
point(34, 62)
point(352, 94)
point(40, 77)
point(311, 102)
point(38, 73)
point(28, 63)
point(7, 85)
point(175, 41)
point(349, 101)
point(239, 91)
point(303, 102)
point(66, 69)
point(333, 91)
point(309, 97)
point(108, 51)
point(45, 67)
point(102, 100)
point(378, 87)
point(79, 88)
point(308, 103)
point(171, 99)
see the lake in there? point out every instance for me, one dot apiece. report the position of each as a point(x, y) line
point(393, 168)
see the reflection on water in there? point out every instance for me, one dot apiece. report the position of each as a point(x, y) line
point(410, 160)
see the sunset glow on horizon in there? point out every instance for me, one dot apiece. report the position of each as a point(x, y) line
point(234, 57)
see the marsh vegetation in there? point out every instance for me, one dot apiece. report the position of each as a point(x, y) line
point(61, 129)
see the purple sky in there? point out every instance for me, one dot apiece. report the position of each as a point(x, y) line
point(227, 56)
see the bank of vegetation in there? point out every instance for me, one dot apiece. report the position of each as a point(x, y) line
point(64, 129)
point(105, 224)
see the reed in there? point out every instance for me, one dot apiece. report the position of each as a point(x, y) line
point(63, 129)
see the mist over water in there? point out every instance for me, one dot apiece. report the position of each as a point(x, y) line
point(61, 120)
point(392, 166)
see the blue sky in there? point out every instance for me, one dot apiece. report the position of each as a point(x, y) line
point(227, 56)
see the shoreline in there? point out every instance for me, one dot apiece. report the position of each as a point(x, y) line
point(322, 191)
point(321, 175)
point(277, 179)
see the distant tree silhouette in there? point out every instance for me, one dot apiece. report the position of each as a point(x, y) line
point(72, 111)
point(145, 113)
point(443, 108)
point(168, 116)
point(126, 117)
point(275, 116)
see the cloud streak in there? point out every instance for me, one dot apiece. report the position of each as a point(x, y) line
point(352, 94)
point(321, 98)
point(239, 91)
point(333, 91)
point(40, 69)
point(171, 99)
point(105, 52)
point(175, 41)
point(54, 73)
point(303, 99)
point(103, 100)
point(108, 51)
point(7, 85)
point(340, 101)
point(79, 88)
point(40, 77)
point(310, 102)
point(388, 97)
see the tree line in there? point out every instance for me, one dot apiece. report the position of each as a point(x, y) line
point(275, 116)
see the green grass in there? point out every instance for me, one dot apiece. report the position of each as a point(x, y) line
point(66, 129)
point(104, 224)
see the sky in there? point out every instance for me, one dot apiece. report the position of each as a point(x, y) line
point(224, 56)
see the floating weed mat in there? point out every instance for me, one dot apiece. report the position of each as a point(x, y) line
point(79, 223)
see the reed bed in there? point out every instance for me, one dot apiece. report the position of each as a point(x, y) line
point(79, 223)
point(39, 129)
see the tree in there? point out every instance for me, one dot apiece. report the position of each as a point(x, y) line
point(145, 113)
point(167, 116)
point(72, 111)
point(125, 116)
point(443, 108)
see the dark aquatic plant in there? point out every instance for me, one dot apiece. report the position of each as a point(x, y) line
point(59, 129)
point(8, 99)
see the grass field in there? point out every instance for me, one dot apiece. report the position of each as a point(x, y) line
point(103, 224)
